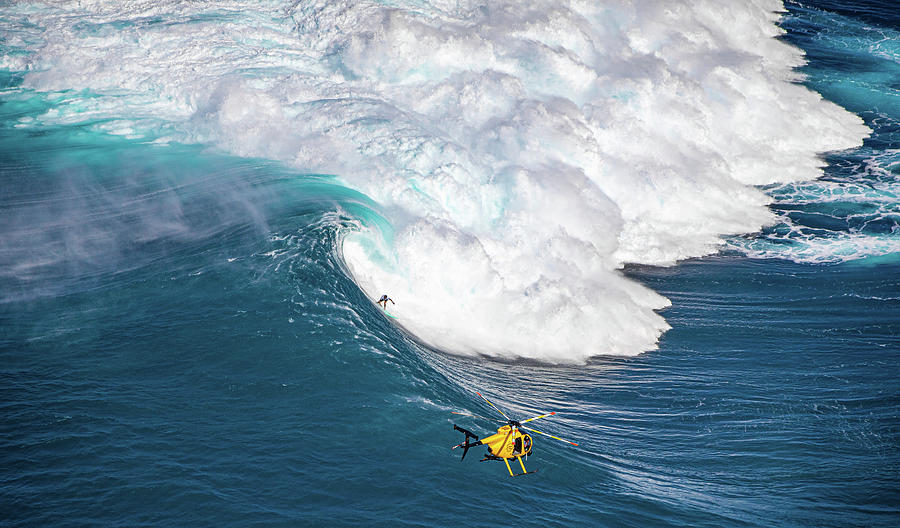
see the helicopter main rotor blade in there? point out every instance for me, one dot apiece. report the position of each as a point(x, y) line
point(550, 435)
point(541, 416)
point(494, 406)
point(477, 416)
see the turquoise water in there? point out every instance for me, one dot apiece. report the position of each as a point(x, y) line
point(181, 345)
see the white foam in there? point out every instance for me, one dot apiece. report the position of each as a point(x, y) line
point(522, 152)
point(802, 247)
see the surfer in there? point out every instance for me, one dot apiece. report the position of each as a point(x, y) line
point(384, 300)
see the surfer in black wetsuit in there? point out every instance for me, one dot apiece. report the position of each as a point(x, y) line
point(384, 300)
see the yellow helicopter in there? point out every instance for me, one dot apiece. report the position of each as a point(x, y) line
point(508, 442)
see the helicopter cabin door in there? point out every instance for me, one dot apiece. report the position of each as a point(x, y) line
point(522, 445)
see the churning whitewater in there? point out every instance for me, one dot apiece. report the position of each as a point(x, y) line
point(519, 155)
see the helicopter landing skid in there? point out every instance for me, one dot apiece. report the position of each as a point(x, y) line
point(524, 471)
point(508, 467)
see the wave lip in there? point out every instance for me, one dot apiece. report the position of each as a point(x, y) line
point(523, 154)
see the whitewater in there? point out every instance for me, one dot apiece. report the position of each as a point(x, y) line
point(517, 157)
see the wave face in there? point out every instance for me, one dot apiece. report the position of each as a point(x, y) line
point(521, 154)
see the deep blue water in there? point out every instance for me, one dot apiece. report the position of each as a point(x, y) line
point(181, 346)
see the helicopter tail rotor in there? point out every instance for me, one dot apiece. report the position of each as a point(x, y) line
point(466, 445)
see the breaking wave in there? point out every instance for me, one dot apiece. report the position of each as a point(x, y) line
point(521, 153)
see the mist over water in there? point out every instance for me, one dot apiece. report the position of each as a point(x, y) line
point(521, 156)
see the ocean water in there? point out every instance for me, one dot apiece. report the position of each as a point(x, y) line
point(675, 225)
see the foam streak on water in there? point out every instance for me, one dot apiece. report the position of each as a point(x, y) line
point(522, 154)
point(853, 212)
